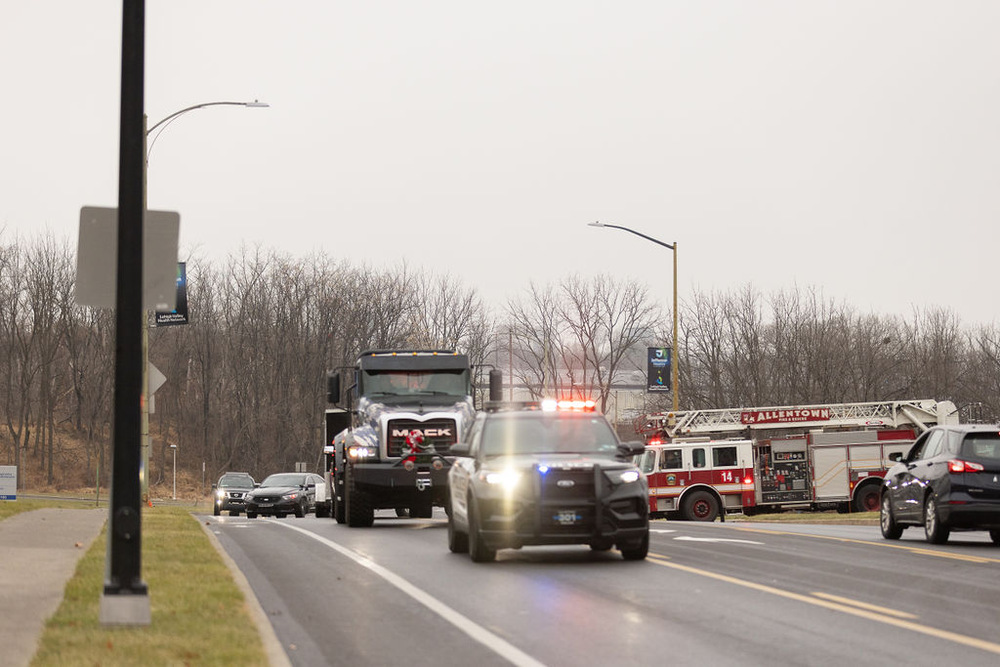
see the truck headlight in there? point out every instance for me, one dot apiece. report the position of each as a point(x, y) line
point(360, 452)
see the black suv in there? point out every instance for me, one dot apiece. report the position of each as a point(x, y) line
point(230, 492)
point(949, 480)
point(546, 473)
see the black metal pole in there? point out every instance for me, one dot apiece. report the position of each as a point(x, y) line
point(125, 519)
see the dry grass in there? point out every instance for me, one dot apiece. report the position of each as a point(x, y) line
point(199, 615)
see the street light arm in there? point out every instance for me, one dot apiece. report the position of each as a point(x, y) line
point(175, 114)
point(648, 238)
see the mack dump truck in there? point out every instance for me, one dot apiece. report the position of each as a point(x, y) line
point(386, 442)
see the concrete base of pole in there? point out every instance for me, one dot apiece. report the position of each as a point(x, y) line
point(125, 609)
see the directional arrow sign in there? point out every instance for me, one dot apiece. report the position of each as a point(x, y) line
point(156, 379)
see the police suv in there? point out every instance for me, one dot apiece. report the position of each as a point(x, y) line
point(548, 472)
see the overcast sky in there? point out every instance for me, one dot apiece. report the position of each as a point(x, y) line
point(851, 147)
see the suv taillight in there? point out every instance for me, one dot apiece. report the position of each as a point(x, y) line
point(959, 466)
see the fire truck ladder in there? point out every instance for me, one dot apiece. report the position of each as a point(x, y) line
point(735, 421)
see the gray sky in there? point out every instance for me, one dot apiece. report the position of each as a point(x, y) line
point(848, 146)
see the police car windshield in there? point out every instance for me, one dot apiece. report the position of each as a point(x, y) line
point(546, 433)
point(415, 383)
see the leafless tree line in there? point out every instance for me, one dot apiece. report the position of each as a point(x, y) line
point(245, 379)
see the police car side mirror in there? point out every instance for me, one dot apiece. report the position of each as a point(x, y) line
point(459, 449)
point(630, 449)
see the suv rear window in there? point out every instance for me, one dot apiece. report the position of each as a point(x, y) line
point(981, 446)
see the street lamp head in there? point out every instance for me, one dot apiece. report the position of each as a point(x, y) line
point(595, 224)
point(256, 104)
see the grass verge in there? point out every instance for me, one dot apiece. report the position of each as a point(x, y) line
point(199, 615)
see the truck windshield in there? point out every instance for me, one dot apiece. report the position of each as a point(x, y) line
point(548, 435)
point(416, 383)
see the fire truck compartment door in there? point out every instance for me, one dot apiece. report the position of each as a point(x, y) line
point(791, 445)
point(830, 473)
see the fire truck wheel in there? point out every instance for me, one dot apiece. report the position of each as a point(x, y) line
point(478, 550)
point(636, 551)
point(935, 530)
point(458, 542)
point(866, 498)
point(701, 506)
point(890, 529)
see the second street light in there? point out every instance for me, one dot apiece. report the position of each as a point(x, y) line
point(674, 361)
point(161, 125)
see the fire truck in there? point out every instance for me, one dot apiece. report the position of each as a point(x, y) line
point(702, 464)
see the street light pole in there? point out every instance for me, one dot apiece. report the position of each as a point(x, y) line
point(174, 447)
point(146, 148)
point(674, 361)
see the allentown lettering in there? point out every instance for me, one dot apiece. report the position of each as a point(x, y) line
point(784, 416)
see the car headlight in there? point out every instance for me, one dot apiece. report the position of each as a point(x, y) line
point(624, 477)
point(220, 494)
point(291, 496)
point(508, 479)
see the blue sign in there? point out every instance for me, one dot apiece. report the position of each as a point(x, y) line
point(658, 369)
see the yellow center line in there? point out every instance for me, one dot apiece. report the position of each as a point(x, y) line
point(854, 609)
point(917, 550)
point(864, 605)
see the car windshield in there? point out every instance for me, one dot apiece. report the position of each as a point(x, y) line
point(982, 446)
point(548, 434)
point(285, 479)
point(236, 480)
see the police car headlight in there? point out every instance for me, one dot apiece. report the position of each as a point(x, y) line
point(291, 496)
point(626, 477)
point(508, 479)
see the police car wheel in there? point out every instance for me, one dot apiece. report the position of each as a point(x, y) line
point(478, 550)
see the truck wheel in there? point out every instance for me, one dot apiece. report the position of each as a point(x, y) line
point(478, 549)
point(338, 510)
point(360, 513)
point(402, 512)
point(636, 551)
point(251, 515)
point(701, 506)
point(934, 528)
point(458, 542)
point(866, 498)
point(890, 529)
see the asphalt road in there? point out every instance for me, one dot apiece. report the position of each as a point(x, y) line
point(717, 594)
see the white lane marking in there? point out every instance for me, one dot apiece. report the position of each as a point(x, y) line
point(474, 630)
point(687, 538)
point(662, 531)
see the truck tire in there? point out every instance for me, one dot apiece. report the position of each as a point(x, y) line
point(338, 510)
point(935, 530)
point(701, 506)
point(866, 498)
point(478, 549)
point(887, 522)
point(360, 513)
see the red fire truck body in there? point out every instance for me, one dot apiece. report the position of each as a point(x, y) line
point(703, 464)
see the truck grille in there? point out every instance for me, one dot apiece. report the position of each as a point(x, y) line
point(439, 434)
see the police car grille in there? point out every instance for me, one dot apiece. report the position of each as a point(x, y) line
point(441, 433)
point(575, 484)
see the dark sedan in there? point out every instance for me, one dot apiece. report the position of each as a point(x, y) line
point(949, 480)
point(284, 493)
